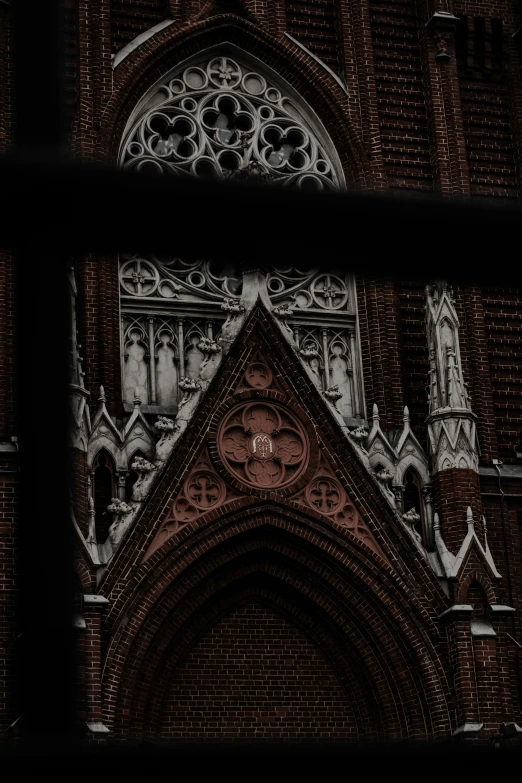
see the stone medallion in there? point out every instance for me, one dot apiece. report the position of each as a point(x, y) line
point(263, 445)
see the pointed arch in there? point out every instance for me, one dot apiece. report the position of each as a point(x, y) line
point(104, 488)
point(412, 498)
point(334, 595)
point(171, 46)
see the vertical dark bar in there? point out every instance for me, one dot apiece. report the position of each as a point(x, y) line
point(44, 538)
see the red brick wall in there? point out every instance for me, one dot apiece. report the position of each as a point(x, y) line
point(455, 490)
point(380, 351)
point(255, 676)
point(411, 317)
point(129, 18)
point(503, 323)
point(400, 97)
point(482, 69)
point(313, 23)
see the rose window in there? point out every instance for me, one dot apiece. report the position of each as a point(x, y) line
point(263, 445)
point(222, 119)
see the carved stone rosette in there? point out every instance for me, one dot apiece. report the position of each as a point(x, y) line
point(202, 491)
point(263, 445)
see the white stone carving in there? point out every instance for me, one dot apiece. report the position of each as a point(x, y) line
point(172, 279)
point(452, 564)
point(359, 435)
point(451, 422)
point(232, 307)
point(143, 466)
point(167, 427)
point(179, 346)
point(331, 354)
point(221, 118)
point(164, 424)
point(282, 313)
point(398, 456)
point(79, 419)
point(411, 518)
point(333, 394)
point(119, 510)
point(310, 290)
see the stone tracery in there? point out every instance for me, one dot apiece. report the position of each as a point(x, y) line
point(221, 118)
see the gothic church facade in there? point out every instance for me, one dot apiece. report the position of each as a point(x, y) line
point(297, 494)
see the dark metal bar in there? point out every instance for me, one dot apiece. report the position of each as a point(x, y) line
point(44, 552)
point(73, 206)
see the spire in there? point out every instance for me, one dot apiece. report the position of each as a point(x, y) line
point(451, 423)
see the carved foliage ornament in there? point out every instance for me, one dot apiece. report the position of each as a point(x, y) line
point(222, 119)
point(263, 445)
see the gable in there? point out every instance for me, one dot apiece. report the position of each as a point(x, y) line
point(263, 431)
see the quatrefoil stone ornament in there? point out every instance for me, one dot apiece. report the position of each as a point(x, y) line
point(263, 445)
point(219, 118)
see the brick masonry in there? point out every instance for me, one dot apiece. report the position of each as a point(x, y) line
point(407, 123)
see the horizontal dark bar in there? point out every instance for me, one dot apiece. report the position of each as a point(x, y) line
point(73, 206)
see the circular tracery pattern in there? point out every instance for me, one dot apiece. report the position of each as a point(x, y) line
point(263, 445)
point(222, 119)
point(205, 490)
point(325, 495)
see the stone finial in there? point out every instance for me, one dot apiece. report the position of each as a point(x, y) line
point(469, 518)
point(102, 397)
point(375, 412)
point(406, 417)
point(137, 399)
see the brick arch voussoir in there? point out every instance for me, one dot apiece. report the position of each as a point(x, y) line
point(390, 590)
point(143, 677)
point(475, 576)
point(202, 536)
point(83, 572)
point(141, 623)
point(172, 45)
